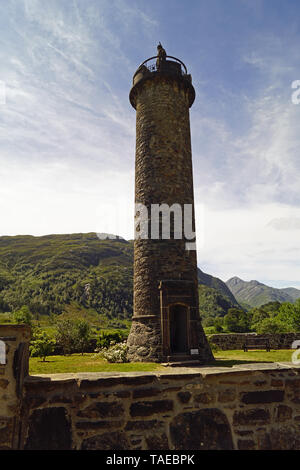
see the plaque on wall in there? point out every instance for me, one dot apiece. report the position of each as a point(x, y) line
point(194, 351)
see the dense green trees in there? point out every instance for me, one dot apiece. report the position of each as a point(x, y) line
point(289, 314)
point(237, 321)
point(49, 273)
point(273, 317)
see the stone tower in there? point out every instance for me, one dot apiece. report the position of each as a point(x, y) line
point(166, 325)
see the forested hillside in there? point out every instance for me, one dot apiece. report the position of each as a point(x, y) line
point(49, 273)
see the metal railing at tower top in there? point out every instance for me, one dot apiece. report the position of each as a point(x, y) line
point(156, 66)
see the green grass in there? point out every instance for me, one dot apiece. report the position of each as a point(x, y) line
point(236, 357)
point(86, 363)
point(90, 363)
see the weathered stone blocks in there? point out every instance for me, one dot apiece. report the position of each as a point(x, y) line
point(207, 429)
point(107, 441)
point(163, 175)
point(148, 408)
point(264, 396)
point(49, 429)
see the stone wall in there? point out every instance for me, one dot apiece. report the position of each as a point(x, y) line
point(13, 369)
point(250, 407)
point(236, 340)
point(254, 406)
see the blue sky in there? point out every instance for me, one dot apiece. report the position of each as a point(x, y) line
point(67, 130)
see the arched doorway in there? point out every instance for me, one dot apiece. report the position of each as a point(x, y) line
point(178, 329)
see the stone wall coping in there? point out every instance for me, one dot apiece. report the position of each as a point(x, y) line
point(9, 326)
point(180, 372)
point(250, 333)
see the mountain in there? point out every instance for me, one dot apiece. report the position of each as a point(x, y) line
point(255, 294)
point(90, 270)
point(49, 272)
point(217, 284)
point(214, 297)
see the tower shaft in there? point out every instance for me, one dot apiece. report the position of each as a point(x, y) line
point(166, 323)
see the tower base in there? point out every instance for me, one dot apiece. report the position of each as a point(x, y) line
point(145, 345)
point(144, 340)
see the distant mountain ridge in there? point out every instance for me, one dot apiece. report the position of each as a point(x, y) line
point(216, 283)
point(255, 293)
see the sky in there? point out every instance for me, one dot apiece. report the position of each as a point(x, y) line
point(67, 129)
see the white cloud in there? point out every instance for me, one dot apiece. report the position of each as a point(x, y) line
point(62, 197)
point(285, 223)
point(245, 243)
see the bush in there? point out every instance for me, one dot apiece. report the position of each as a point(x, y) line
point(6, 317)
point(106, 338)
point(23, 316)
point(114, 353)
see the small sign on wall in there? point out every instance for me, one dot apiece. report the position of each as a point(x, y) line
point(194, 351)
point(2, 353)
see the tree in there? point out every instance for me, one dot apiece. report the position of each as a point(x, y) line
point(83, 333)
point(258, 315)
point(218, 325)
point(289, 314)
point(23, 316)
point(236, 321)
point(66, 336)
point(4, 307)
point(41, 344)
point(271, 325)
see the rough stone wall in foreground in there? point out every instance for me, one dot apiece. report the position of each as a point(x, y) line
point(250, 407)
point(254, 406)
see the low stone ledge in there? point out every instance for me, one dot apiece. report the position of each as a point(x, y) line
point(225, 341)
point(144, 378)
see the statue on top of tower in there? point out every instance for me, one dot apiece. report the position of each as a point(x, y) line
point(161, 56)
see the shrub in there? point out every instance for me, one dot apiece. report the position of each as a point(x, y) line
point(106, 338)
point(23, 316)
point(115, 353)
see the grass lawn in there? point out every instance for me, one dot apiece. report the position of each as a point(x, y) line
point(90, 363)
point(86, 363)
point(236, 357)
